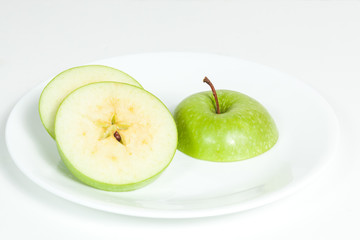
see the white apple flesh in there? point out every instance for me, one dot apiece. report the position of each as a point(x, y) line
point(115, 136)
point(67, 81)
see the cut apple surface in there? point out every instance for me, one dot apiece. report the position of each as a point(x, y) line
point(71, 79)
point(114, 136)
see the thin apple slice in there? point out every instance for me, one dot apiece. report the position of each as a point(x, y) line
point(114, 136)
point(71, 79)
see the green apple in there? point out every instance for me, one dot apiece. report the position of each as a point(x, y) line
point(224, 126)
point(115, 136)
point(67, 81)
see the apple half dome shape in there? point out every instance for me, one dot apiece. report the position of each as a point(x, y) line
point(67, 81)
point(243, 129)
point(114, 136)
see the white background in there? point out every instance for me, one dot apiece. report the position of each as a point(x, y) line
point(316, 41)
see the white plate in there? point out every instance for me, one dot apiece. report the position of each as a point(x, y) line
point(189, 187)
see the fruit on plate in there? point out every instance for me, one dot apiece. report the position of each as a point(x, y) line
point(115, 136)
point(67, 81)
point(223, 126)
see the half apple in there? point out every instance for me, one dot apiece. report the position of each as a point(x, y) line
point(67, 81)
point(114, 136)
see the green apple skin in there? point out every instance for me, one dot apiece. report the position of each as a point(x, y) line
point(242, 130)
point(106, 186)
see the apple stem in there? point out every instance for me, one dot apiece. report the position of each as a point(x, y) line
point(206, 80)
point(117, 136)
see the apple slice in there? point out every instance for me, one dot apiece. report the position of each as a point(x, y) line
point(114, 136)
point(71, 79)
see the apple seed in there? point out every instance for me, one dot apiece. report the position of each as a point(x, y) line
point(117, 136)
